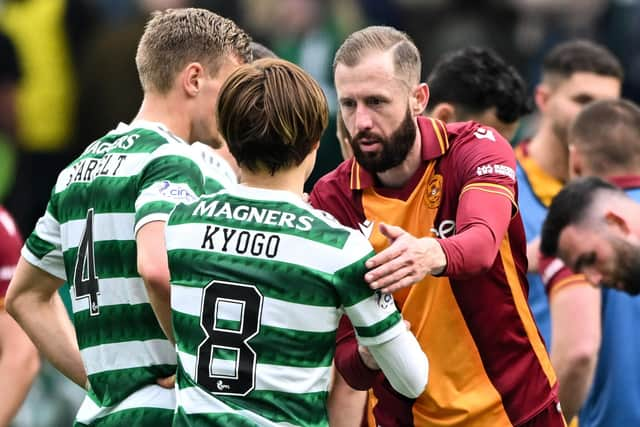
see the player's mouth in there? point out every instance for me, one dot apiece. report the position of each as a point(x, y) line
point(368, 145)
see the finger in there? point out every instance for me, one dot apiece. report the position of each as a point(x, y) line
point(168, 382)
point(391, 279)
point(395, 250)
point(386, 269)
point(391, 232)
point(402, 283)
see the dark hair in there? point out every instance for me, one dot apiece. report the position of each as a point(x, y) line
point(570, 206)
point(579, 55)
point(607, 132)
point(260, 51)
point(271, 113)
point(475, 79)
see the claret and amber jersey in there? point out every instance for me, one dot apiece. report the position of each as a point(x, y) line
point(488, 363)
point(10, 244)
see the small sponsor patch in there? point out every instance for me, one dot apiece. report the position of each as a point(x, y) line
point(177, 192)
point(434, 191)
point(384, 300)
point(497, 170)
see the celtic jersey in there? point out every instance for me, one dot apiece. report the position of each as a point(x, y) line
point(259, 281)
point(133, 175)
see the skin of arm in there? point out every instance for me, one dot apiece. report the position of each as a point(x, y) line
point(576, 337)
point(345, 404)
point(34, 291)
point(19, 364)
point(153, 267)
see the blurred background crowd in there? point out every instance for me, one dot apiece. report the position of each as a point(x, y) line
point(67, 75)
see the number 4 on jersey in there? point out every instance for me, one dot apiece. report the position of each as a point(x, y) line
point(85, 280)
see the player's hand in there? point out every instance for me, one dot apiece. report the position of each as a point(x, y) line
point(366, 356)
point(406, 261)
point(168, 382)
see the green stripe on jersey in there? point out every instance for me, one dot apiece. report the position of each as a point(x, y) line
point(303, 349)
point(117, 384)
point(38, 246)
point(380, 327)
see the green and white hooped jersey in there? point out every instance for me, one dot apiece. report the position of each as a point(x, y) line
point(133, 175)
point(259, 280)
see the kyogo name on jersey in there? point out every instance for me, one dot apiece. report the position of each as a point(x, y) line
point(240, 242)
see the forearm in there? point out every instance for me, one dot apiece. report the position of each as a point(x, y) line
point(19, 364)
point(52, 333)
point(160, 299)
point(345, 404)
point(482, 222)
point(574, 383)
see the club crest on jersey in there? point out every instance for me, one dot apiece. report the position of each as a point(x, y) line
point(434, 191)
point(384, 300)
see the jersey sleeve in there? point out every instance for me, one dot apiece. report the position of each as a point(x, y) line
point(374, 315)
point(485, 162)
point(43, 247)
point(556, 275)
point(173, 176)
point(10, 243)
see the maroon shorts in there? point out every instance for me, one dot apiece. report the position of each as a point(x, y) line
point(551, 416)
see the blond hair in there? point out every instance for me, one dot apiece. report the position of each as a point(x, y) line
point(271, 113)
point(174, 38)
point(406, 57)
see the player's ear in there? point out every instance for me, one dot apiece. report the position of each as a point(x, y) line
point(419, 99)
point(191, 78)
point(575, 161)
point(541, 96)
point(615, 220)
point(444, 111)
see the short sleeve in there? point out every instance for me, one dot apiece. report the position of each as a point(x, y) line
point(374, 315)
point(173, 176)
point(43, 247)
point(485, 161)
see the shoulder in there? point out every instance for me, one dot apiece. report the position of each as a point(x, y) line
point(472, 132)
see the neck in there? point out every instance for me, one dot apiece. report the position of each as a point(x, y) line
point(551, 154)
point(163, 109)
point(291, 180)
point(398, 176)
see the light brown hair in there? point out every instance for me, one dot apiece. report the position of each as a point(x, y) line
point(174, 38)
point(406, 57)
point(607, 133)
point(271, 113)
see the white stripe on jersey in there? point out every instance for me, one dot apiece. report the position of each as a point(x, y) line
point(152, 396)
point(128, 354)
point(275, 313)
point(317, 256)
point(289, 379)
point(106, 226)
point(52, 263)
point(114, 291)
point(195, 400)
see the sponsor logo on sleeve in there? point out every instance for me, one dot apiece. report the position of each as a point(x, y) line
point(366, 228)
point(177, 192)
point(496, 170)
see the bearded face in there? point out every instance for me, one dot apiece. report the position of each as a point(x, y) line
point(626, 272)
point(376, 153)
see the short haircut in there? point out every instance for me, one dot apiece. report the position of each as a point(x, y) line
point(271, 113)
point(607, 132)
point(475, 79)
point(174, 38)
point(406, 57)
point(579, 55)
point(569, 207)
point(260, 51)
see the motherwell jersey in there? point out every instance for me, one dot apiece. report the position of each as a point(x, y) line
point(488, 363)
point(10, 244)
